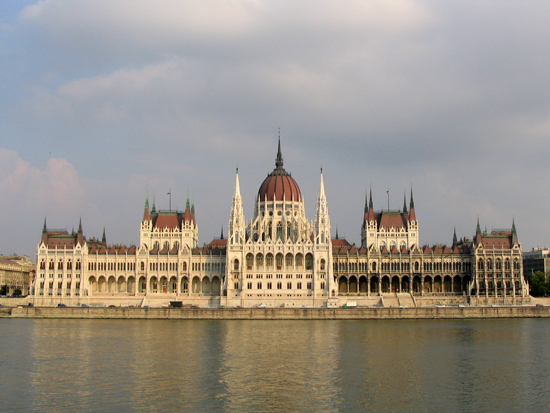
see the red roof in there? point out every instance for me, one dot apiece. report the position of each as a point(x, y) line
point(389, 220)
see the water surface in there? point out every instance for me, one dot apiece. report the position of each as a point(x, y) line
point(280, 366)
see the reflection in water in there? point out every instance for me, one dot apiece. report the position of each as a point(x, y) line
point(235, 366)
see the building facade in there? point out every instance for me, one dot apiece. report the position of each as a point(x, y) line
point(278, 258)
point(16, 274)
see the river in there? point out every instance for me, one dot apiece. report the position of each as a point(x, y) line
point(275, 366)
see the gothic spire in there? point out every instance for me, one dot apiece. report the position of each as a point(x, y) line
point(404, 203)
point(80, 226)
point(455, 241)
point(412, 213)
point(221, 235)
point(279, 160)
point(370, 199)
point(44, 229)
point(104, 238)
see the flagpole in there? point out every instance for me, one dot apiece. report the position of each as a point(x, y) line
point(170, 202)
point(388, 199)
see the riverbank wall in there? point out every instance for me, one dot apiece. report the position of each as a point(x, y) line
point(279, 313)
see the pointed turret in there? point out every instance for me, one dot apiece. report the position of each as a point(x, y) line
point(412, 214)
point(455, 241)
point(236, 217)
point(44, 238)
point(221, 235)
point(478, 233)
point(104, 238)
point(153, 210)
point(514, 233)
point(404, 203)
point(371, 207)
point(146, 208)
point(79, 236)
point(322, 219)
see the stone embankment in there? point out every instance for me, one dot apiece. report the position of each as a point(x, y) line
point(279, 313)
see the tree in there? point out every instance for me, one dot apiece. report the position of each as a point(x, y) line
point(4, 290)
point(17, 291)
point(538, 285)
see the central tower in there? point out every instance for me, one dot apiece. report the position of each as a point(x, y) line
point(279, 256)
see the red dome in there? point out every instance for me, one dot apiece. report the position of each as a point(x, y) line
point(279, 184)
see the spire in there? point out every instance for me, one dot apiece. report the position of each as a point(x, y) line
point(412, 213)
point(366, 210)
point(370, 198)
point(187, 202)
point(478, 233)
point(146, 209)
point(454, 237)
point(514, 234)
point(371, 207)
point(79, 237)
point(44, 238)
point(404, 203)
point(336, 232)
point(279, 160)
point(236, 217)
point(153, 210)
point(322, 219)
point(221, 235)
point(104, 238)
point(193, 206)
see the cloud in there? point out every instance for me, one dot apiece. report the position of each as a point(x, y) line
point(451, 97)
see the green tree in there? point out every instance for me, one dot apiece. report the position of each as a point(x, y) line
point(17, 291)
point(538, 285)
point(4, 290)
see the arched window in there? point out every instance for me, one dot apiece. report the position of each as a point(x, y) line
point(249, 261)
point(236, 265)
point(322, 264)
point(498, 264)
point(489, 264)
point(184, 266)
point(516, 264)
point(279, 231)
point(480, 264)
point(279, 260)
point(309, 262)
point(289, 261)
point(417, 266)
point(142, 266)
point(374, 266)
point(507, 264)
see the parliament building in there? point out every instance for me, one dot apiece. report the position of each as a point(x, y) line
point(279, 258)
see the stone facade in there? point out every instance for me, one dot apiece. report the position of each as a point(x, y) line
point(279, 258)
point(16, 273)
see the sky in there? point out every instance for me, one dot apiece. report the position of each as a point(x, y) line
point(105, 101)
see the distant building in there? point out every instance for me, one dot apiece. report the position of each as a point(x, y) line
point(538, 259)
point(16, 273)
point(278, 258)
